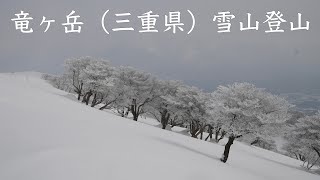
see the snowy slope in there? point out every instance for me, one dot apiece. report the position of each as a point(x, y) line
point(44, 135)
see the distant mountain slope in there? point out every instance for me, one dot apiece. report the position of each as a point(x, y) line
point(308, 102)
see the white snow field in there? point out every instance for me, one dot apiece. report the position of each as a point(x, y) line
point(44, 135)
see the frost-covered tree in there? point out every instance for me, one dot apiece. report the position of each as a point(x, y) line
point(164, 107)
point(141, 88)
point(216, 121)
point(90, 78)
point(267, 136)
point(59, 82)
point(113, 94)
point(75, 72)
point(98, 76)
point(304, 142)
point(247, 109)
point(191, 104)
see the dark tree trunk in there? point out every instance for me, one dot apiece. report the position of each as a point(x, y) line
point(97, 100)
point(94, 101)
point(109, 103)
point(135, 117)
point(201, 129)
point(217, 134)
point(86, 97)
point(254, 142)
point(210, 133)
point(225, 156)
point(165, 115)
point(301, 157)
point(197, 129)
point(134, 110)
point(193, 129)
point(134, 113)
point(223, 133)
point(317, 150)
point(105, 106)
point(163, 126)
point(77, 84)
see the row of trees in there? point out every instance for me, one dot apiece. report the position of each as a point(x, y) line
point(231, 111)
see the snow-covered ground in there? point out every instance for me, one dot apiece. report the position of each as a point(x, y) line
point(45, 135)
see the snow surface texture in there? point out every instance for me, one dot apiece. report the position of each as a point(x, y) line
point(45, 135)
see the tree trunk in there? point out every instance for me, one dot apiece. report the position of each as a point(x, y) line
point(78, 87)
point(217, 134)
point(223, 133)
point(88, 98)
point(135, 117)
point(312, 164)
point(127, 112)
point(301, 157)
point(105, 106)
point(109, 103)
point(163, 126)
point(210, 133)
point(165, 115)
point(317, 150)
point(135, 110)
point(84, 97)
point(254, 142)
point(193, 129)
point(225, 156)
point(94, 101)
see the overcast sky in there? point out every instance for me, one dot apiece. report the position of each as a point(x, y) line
point(284, 62)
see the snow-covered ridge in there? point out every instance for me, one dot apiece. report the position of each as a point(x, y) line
point(45, 135)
